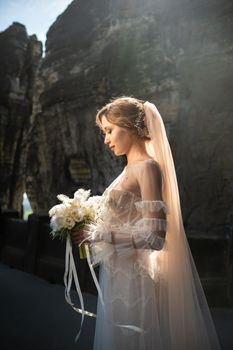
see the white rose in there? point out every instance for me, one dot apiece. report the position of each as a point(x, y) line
point(68, 222)
point(76, 215)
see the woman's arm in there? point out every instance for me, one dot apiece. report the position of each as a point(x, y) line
point(153, 225)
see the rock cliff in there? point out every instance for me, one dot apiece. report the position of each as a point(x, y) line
point(175, 53)
point(94, 51)
point(19, 59)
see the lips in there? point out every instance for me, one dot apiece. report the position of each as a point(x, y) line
point(112, 147)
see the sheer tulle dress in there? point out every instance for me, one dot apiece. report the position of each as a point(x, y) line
point(132, 248)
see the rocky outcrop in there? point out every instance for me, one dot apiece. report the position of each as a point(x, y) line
point(105, 50)
point(19, 59)
point(203, 35)
point(175, 53)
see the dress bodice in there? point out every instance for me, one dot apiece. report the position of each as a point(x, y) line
point(121, 207)
point(134, 191)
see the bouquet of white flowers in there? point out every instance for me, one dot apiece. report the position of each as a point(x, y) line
point(74, 212)
point(70, 213)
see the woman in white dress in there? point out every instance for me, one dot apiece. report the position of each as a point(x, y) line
point(151, 296)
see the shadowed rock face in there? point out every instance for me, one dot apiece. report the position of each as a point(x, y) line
point(203, 34)
point(94, 51)
point(20, 56)
point(175, 53)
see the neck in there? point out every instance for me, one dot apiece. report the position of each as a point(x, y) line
point(137, 152)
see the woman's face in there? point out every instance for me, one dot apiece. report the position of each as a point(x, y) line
point(118, 139)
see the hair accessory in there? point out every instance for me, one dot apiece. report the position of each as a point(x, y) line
point(140, 123)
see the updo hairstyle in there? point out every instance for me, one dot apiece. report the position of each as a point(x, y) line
point(125, 112)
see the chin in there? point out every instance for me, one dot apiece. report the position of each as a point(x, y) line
point(118, 154)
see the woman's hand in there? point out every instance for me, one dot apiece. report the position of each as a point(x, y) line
point(77, 235)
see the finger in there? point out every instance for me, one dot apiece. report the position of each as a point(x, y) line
point(77, 241)
point(76, 234)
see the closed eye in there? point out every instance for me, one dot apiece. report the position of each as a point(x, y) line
point(107, 131)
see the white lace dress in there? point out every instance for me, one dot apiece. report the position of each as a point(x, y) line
point(128, 247)
point(151, 291)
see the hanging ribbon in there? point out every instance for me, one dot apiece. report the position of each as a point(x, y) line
point(70, 274)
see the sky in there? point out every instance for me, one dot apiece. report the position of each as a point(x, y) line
point(36, 15)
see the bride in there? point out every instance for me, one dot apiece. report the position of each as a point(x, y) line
point(151, 295)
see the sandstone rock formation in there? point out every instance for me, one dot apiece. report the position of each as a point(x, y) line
point(203, 35)
point(175, 53)
point(20, 56)
point(94, 51)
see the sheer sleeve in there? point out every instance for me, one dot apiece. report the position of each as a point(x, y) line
point(150, 231)
point(150, 181)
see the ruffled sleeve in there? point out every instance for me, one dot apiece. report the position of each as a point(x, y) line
point(149, 233)
point(146, 234)
point(144, 207)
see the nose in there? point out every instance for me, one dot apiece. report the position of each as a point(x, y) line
point(106, 139)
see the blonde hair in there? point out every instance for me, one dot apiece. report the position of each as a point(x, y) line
point(125, 112)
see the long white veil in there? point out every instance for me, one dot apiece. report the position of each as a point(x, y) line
point(184, 312)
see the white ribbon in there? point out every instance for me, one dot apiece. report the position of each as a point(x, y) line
point(70, 273)
point(128, 326)
point(94, 276)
